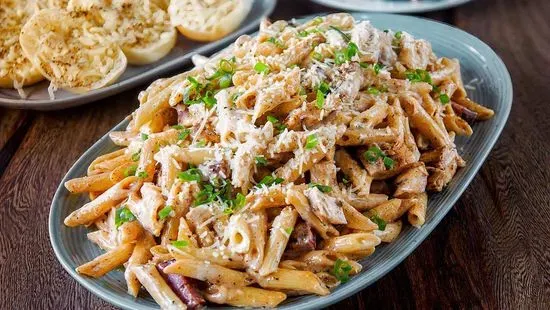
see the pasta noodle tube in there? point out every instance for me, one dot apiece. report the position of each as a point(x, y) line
point(93, 183)
point(223, 257)
point(184, 233)
point(244, 296)
point(352, 243)
point(195, 156)
point(146, 165)
point(301, 204)
point(274, 196)
point(153, 282)
point(107, 261)
point(358, 176)
point(412, 181)
point(103, 203)
point(258, 224)
point(280, 233)
point(423, 122)
point(323, 260)
point(206, 271)
point(294, 280)
point(129, 232)
point(104, 162)
point(367, 202)
point(140, 255)
point(417, 209)
point(483, 113)
point(390, 233)
point(355, 219)
point(390, 210)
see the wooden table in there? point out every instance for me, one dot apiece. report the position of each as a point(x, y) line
point(491, 251)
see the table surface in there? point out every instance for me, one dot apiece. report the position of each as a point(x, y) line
point(491, 250)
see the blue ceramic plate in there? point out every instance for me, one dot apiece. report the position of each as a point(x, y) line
point(481, 68)
point(392, 6)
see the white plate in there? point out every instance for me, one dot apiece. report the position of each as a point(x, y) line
point(39, 99)
point(392, 6)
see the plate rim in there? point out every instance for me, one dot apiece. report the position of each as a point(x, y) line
point(419, 8)
point(139, 79)
point(357, 283)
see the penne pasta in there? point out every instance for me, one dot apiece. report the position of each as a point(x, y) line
point(244, 296)
point(153, 282)
point(269, 169)
point(107, 262)
point(293, 280)
point(206, 271)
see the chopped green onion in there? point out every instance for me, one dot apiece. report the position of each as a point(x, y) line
point(235, 204)
point(378, 221)
point(345, 180)
point(276, 123)
point(444, 98)
point(317, 56)
point(388, 162)
point(373, 153)
point(311, 142)
point(178, 127)
point(276, 42)
point(269, 180)
point(142, 174)
point(206, 195)
point(322, 92)
point(201, 143)
point(303, 33)
point(193, 174)
point(352, 50)
point(209, 100)
point(373, 91)
point(418, 75)
point(135, 156)
point(165, 212)
point(317, 20)
point(261, 68)
point(144, 136)
point(341, 270)
point(131, 170)
point(321, 187)
point(377, 67)
point(123, 215)
point(346, 54)
point(339, 57)
point(195, 84)
point(183, 134)
point(225, 81)
point(261, 161)
point(289, 230)
point(320, 100)
point(180, 243)
point(226, 66)
point(398, 35)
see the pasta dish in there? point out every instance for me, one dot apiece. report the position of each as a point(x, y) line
point(270, 169)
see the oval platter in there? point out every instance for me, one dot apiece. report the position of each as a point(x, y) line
point(180, 56)
point(392, 6)
point(488, 82)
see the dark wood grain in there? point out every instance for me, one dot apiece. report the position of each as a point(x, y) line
point(490, 252)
